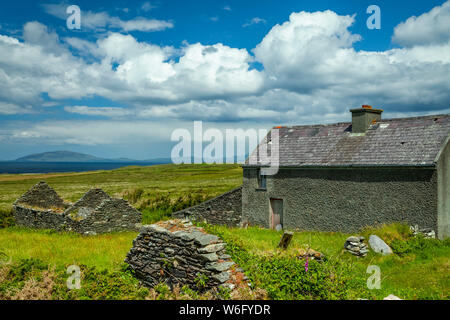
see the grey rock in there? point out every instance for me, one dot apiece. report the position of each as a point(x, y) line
point(378, 245)
point(208, 256)
point(205, 239)
point(212, 248)
point(222, 277)
point(353, 239)
point(219, 266)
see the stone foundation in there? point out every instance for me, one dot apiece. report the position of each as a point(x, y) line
point(176, 253)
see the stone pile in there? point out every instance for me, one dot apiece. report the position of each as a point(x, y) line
point(426, 232)
point(311, 254)
point(175, 252)
point(356, 246)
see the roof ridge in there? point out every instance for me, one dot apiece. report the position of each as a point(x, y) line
point(443, 115)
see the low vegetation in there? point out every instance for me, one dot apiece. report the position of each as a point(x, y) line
point(154, 190)
point(415, 261)
point(33, 263)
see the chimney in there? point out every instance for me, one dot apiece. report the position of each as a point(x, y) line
point(363, 117)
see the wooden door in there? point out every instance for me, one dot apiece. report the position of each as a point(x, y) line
point(276, 213)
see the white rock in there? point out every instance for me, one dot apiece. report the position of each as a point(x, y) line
point(392, 297)
point(378, 245)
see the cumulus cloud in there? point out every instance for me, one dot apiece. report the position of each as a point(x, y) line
point(102, 21)
point(122, 69)
point(311, 74)
point(432, 27)
point(312, 54)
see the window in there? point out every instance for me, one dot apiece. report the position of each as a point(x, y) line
point(261, 180)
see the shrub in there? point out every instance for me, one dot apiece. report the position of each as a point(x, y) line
point(24, 278)
point(6, 218)
point(285, 277)
point(416, 244)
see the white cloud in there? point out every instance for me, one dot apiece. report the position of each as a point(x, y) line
point(101, 21)
point(432, 27)
point(10, 108)
point(99, 111)
point(312, 54)
point(255, 20)
point(123, 69)
point(311, 73)
point(227, 8)
point(147, 6)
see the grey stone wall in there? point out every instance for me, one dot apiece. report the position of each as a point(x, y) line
point(41, 196)
point(96, 212)
point(443, 169)
point(175, 252)
point(343, 199)
point(38, 219)
point(225, 209)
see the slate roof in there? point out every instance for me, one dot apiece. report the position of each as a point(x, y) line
point(414, 141)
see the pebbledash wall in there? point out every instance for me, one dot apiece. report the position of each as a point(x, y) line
point(96, 212)
point(225, 209)
point(346, 199)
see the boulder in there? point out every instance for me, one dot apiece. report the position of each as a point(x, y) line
point(378, 245)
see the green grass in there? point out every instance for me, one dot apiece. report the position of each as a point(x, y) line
point(422, 273)
point(419, 269)
point(105, 251)
point(154, 190)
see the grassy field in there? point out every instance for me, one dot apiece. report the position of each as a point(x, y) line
point(154, 190)
point(36, 260)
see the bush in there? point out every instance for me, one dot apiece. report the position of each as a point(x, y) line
point(6, 218)
point(416, 244)
point(102, 285)
point(161, 206)
point(286, 277)
point(95, 284)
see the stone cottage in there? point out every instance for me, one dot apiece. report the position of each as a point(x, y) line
point(96, 212)
point(344, 176)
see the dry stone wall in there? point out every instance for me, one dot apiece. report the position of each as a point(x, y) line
point(175, 252)
point(96, 212)
point(225, 209)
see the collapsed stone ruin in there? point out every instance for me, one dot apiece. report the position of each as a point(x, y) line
point(96, 212)
point(175, 252)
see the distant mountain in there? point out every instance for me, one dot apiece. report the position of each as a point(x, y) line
point(60, 156)
point(68, 156)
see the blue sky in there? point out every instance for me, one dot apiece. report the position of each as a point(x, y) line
point(137, 70)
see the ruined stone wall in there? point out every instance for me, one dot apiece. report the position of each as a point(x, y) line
point(110, 216)
point(41, 196)
point(225, 209)
point(96, 212)
point(39, 219)
point(175, 252)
